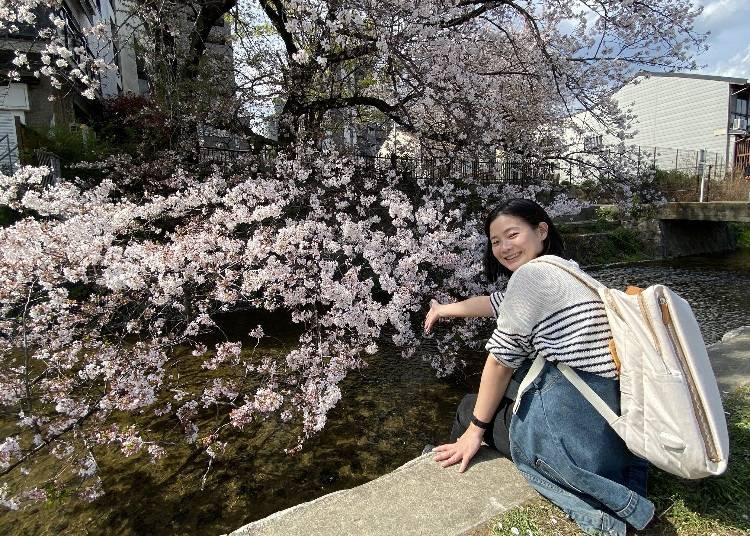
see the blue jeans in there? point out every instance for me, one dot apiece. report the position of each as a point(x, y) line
point(569, 453)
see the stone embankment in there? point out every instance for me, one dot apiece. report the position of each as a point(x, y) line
point(420, 498)
point(672, 230)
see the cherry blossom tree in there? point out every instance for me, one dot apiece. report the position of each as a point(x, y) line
point(467, 73)
point(112, 288)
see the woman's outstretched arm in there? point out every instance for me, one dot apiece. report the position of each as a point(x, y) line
point(495, 379)
point(474, 306)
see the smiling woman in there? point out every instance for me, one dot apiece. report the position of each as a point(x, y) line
point(517, 231)
point(558, 441)
point(514, 242)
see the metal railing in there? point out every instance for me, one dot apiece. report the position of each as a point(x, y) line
point(53, 162)
point(515, 170)
point(512, 170)
point(222, 155)
point(9, 161)
point(694, 161)
point(8, 155)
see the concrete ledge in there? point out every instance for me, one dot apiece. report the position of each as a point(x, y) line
point(738, 211)
point(420, 498)
point(730, 359)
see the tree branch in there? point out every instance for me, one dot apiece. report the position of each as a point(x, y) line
point(278, 19)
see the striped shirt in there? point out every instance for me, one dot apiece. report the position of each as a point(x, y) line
point(546, 311)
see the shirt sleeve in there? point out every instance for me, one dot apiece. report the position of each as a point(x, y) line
point(496, 298)
point(524, 302)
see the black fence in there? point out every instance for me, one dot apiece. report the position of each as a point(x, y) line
point(511, 171)
point(521, 172)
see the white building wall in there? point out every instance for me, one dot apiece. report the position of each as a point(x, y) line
point(107, 12)
point(14, 102)
point(678, 113)
point(126, 24)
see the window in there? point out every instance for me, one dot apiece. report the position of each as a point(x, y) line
point(592, 142)
point(738, 119)
point(741, 105)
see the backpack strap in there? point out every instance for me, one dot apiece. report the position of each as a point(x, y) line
point(582, 276)
point(534, 370)
point(589, 394)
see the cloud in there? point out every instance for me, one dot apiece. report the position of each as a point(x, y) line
point(736, 66)
point(720, 16)
point(729, 51)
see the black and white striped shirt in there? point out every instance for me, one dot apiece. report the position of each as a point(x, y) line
point(546, 311)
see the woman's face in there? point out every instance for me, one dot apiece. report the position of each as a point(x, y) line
point(515, 242)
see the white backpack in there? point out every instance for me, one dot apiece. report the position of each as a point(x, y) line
point(671, 408)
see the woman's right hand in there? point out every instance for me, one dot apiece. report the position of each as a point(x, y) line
point(463, 450)
point(433, 315)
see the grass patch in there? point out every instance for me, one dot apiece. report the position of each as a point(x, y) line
point(718, 506)
point(742, 232)
point(618, 245)
point(535, 518)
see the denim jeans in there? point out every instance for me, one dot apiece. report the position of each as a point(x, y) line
point(568, 452)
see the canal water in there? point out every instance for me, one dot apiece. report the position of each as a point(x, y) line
point(389, 411)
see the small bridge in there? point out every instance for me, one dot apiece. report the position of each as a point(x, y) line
point(735, 211)
point(698, 228)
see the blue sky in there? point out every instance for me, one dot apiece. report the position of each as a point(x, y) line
point(729, 42)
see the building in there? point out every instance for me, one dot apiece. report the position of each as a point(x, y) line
point(686, 122)
point(33, 102)
point(689, 111)
point(27, 103)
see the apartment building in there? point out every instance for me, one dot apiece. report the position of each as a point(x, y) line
point(27, 102)
point(34, 102)
point(689, 111)
point(691, 122)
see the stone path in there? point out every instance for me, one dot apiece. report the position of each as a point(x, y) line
point(730, 359)
point(422, 499)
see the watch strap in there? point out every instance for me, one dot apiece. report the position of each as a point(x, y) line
point(479, 424)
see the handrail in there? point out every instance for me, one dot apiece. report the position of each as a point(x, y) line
point(9, 153)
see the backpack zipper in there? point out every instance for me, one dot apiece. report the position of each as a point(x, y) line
point(647, 315)
point(698, 409)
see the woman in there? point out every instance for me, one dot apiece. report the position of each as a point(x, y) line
point(561, 444)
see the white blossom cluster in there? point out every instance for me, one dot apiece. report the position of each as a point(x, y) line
point(80, 65)
point(110, 302)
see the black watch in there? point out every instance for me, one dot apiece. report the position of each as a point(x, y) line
point(479, 424)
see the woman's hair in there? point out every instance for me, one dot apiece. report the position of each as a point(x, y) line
point(531, 213)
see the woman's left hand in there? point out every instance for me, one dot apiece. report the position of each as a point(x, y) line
point(433, 315)
point(463, 450)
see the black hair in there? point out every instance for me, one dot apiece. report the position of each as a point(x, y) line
point(533, 214)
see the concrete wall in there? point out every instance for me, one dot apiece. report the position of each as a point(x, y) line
point(680, 238)
point(736, 211)
point(44, 113)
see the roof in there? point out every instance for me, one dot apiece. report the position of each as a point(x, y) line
point(728, 79)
